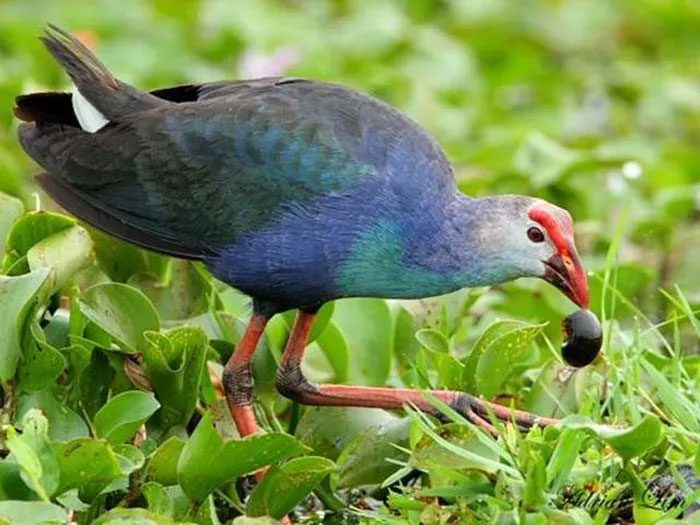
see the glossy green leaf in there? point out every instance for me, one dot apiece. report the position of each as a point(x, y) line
point(285, 485)
point(17, 297)
point(34, 512)
point(10, 209)
point(33, 453)
point(433, 340)
point(162, 465)
point(33, 227)
point(207, 461)
point(86, 464)
point(64, 423)
point(135, 516)
point(41, 363)
point(64, 253)
point(628, 442)
point(363, 322)
point(122, 311)
point(493, 355)
point(173, 362)
point(120, 418)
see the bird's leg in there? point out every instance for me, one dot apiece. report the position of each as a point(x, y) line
point(292, 384)
point(238, 377)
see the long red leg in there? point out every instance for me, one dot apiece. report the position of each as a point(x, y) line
point(238, 377)
point(292, 383)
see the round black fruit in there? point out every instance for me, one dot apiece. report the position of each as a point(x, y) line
point(584, 337)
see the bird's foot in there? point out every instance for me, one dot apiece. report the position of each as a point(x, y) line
point(481, 413)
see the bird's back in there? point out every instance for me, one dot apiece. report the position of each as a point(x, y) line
point(196, 170)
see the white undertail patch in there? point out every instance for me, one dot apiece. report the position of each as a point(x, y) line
point(89, 117)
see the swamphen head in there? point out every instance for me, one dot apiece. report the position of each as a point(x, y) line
point(527, 237)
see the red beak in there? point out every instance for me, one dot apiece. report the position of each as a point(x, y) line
point(565, 271)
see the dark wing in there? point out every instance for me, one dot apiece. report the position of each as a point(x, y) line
point(188, 178)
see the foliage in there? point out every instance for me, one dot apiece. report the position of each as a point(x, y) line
point(110, 357)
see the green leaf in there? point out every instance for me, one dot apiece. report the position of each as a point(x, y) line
point(364, 324)
point(41, 363)
point(564, 456)
point(334, 346)
point(173, 363)
point(286, 485)
point(247, 520)
point(64, 423)
point(182, 296)
point(162, 465)
point(18, 512)
point(11, 484)
point(88, 465)
point(64, 253)
point(681, 408)
point(628, 442)
point(134, 516)
point(122, 311)
point(129, 457)
point(120, 418)
point(17, 297)
point(499, 347)
point(433, 340)
point(207, 461)
point(368, 459)
point(34, 226)
point(10, 209)
point(534, 493)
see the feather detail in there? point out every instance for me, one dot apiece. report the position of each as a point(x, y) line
point(89, 117)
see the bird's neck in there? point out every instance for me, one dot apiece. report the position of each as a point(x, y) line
point(427, 256)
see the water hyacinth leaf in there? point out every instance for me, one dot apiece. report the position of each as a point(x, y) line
point(367, 460)
point(10, 209)
point(262, 520)
point(32, 227)
point(129, 458)
point(11, 484)
point(363, 322)
point(33, 453)
point(41, 363)
point(173, 364)
point(43, 512)
point(329, 430)
point(120, 418)
point(91, 378)
point(162, 465)
point(433, 340)
point(120, 516)
point(86, 464)
point(207, 461)
point(19, 294)
point(430, 452)
point(285, 485)
point(204, 514)
point(334, 346)
point(122, 311)
point(182, 296)
point(64, 253)
point(501, 345)
point(64, 423)
point(628, 442)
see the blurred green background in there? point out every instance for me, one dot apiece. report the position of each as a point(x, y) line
point(594, 105)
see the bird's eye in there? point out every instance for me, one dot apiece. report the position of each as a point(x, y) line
point(535, 234)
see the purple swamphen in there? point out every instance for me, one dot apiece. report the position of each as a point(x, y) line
point(294, 191)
